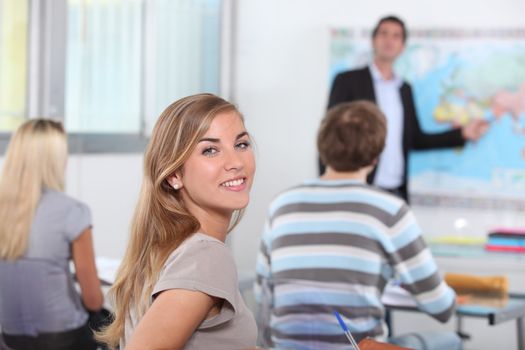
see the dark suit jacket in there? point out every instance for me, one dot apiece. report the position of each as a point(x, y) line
point(357, 85)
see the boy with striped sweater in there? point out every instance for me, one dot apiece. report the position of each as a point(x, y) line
point(332, 243)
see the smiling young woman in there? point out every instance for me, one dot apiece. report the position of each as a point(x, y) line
point(217, 177)
point(177, 286)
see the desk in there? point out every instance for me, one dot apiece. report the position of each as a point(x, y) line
point(514, 310)
point(107, 269)
point(476, 260)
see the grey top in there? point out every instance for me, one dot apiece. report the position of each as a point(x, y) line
point(37, 293)
point(203, 263)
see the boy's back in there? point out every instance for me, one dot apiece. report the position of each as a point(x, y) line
point(333, 244)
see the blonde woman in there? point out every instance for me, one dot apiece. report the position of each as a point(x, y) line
point(177, 286)
point(41, 230)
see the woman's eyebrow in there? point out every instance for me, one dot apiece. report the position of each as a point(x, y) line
point(210, 139)
point(242, 134)
point(216, 140)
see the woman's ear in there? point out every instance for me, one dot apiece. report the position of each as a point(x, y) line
point(175, 181)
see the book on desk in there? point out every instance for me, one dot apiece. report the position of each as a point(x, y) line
point(505, 239)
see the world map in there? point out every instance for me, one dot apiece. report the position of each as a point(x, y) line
point(459, 75)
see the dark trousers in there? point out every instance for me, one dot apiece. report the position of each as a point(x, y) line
point(76, 339)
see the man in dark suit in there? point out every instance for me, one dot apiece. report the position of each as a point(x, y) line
point(378, 83)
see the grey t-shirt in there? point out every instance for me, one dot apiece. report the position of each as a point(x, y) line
point(203, 263)
point(37, 293)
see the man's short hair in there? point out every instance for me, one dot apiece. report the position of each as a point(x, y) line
point(351, 136)
point(394, 19)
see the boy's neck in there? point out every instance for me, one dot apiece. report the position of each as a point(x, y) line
point(361, 174)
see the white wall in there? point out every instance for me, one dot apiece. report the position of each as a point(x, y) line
point(110, 185)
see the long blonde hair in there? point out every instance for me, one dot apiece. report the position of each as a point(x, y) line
point(35, 159)
point(161, 221)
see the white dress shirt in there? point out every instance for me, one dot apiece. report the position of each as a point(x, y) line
point(389, 173)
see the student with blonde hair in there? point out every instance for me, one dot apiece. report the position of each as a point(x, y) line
point(41, 230)
point(177, 286)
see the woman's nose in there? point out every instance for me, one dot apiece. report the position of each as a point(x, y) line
point(233, 160)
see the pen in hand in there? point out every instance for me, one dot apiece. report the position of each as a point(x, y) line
point(346, 331)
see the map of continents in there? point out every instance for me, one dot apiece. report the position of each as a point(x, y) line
point(456, 76)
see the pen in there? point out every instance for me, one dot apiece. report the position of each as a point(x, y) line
point(395, 282)
point(346, 331)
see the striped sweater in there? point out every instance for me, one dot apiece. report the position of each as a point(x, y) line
point(333, 245)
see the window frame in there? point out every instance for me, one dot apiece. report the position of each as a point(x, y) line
point(45, 95)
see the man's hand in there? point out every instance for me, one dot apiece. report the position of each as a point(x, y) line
point(474, 129)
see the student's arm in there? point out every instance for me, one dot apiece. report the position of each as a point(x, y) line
point(86, 271)
point(414, 264)
point(171, 320)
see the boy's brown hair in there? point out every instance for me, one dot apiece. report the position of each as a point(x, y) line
point(351, 136)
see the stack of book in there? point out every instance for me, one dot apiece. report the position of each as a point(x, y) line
point(506, 240)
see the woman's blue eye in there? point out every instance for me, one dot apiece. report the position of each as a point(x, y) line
point(210, 151)
point(243, 145)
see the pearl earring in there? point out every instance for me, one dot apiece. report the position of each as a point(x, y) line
point(176, 186)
